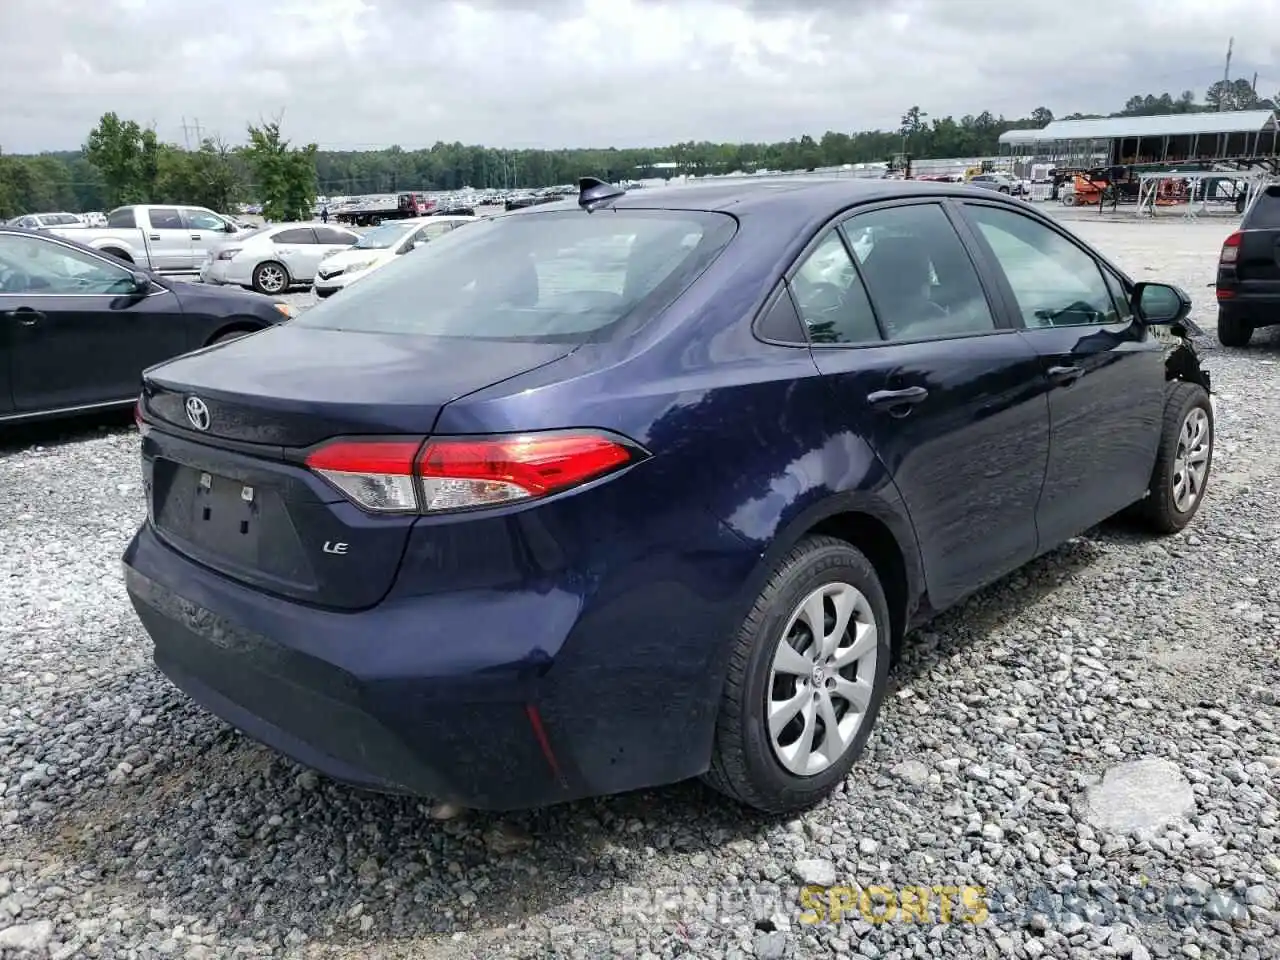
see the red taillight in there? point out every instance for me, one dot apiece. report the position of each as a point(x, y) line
point(138, 420)
point(1230, 249)
point(465, 473)
point(376, 475)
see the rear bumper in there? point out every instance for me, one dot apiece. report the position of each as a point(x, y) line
point(1260, 310)
point(495, 701)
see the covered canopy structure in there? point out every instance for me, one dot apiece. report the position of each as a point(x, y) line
point(1246, 138)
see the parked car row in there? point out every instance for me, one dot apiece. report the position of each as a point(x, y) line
point(327, 257)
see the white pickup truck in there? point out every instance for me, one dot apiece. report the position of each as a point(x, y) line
point(164, 238)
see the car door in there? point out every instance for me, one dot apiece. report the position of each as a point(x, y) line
point(924, 368)
point(168, 239)
point(1106, 368)
point(205, 230)
point(298, 250)
point(78, 332)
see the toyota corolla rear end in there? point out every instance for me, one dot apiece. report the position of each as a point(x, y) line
point(366, 548)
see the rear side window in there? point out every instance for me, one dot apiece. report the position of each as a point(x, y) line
point(296, 235)
point(338, 237)
point(166, 218)
point(1265, 214)
point(918, 273)
point(122, 219)
point(566, 276)
point(830, 296)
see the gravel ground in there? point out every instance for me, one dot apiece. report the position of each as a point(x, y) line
point(1095, 741)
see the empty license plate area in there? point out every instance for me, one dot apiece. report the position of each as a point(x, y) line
point(242, 528)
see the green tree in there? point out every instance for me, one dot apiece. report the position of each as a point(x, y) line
point(127, 157)
point(284, 176)
point(208, 177)
point(1236, 95)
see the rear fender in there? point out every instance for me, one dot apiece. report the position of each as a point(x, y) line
point(880, 507)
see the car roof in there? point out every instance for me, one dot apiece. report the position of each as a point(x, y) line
point(815, 195)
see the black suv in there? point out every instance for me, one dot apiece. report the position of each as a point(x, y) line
point(1249, 272)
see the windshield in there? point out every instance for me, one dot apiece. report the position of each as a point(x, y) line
point(555, 277)
point(384, 237)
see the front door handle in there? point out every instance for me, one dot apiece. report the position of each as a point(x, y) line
point(26, 316)
point(196, 236)
point(897, 402)
point(1065, 375)
point(153, 236)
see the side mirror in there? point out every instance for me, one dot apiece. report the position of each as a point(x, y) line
point(141, 281)
point(1160, 304)
point(231, 228)
point(419, 243)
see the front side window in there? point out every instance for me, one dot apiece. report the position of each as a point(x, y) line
point(204, 220)
point(29, 265)
point(918, 273)
point(1055, 283)
point(564, 277)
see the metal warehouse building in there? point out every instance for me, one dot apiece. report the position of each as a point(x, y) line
point(1241, 138)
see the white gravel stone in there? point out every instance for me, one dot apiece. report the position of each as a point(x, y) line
point(1140, 795)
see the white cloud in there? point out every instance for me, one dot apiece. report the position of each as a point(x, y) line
point(363, 73)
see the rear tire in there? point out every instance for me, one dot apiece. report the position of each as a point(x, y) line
point(776, 774)
point(1234, 332)
point(1184, 460)
point(270, 278)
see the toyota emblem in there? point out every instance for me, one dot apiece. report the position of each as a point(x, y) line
point(198, 413)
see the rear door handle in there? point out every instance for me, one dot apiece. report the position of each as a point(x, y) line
point(196, 236)
point(1065, 375)
point(897, 402)
point(153, 236)
point(26, 316)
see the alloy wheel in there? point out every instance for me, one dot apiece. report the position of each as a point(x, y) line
point(1191, 461)
point(821, 679)
point(271, 278)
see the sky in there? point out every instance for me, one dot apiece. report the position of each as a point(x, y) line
point(364, 74)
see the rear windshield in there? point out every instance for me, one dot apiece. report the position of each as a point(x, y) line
point(566, 276)
point(1265, 213)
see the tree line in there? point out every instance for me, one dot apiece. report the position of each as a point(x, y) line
point(123, 162)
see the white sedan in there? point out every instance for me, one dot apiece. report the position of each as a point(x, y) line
point(379, 247)
point(273, 259)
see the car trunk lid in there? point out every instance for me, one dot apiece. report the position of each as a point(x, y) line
point(225, 479)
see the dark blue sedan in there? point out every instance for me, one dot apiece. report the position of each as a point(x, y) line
point(609, 494)
point(78, 326)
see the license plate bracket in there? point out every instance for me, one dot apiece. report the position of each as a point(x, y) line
point(220, 515)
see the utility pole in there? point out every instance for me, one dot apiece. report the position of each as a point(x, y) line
point(190, 128)
point(1226, 77)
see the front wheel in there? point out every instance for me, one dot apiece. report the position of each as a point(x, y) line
point(806, 678)
point(1183, 462)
